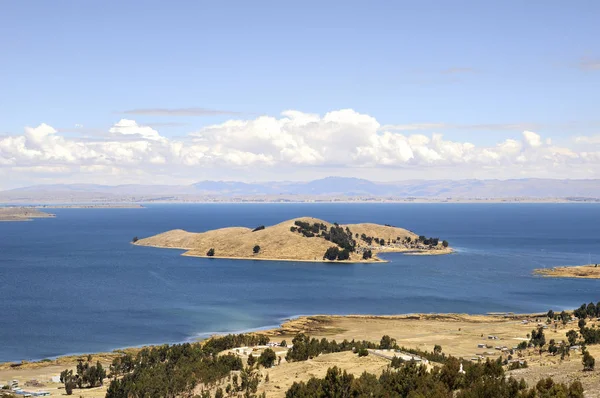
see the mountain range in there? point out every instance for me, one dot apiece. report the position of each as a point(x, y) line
point(321, 189)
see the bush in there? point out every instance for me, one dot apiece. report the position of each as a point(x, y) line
point(367, 254)
point(363, 352)
point(260, 227)
point(135, 239)
point(445, 243)
point(256, 249)
point(210, 252)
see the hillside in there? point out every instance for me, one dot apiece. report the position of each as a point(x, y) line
point(300, 239)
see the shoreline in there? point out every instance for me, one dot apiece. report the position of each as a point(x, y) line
point(373, 260)
point(286, 328)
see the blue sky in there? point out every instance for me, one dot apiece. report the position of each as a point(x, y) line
point(480, 72)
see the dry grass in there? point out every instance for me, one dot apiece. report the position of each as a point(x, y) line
point(276, 242)
point(590, 271)
point(21, 214)
point(458, 335)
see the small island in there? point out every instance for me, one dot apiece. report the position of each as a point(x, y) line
point(300, 239)
point(22, 214)
point(589, 271)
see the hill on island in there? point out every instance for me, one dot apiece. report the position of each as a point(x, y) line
point(299, 239)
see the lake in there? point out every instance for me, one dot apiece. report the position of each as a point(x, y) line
point(74, 283)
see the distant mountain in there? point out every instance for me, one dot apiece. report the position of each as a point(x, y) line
point(330, 187)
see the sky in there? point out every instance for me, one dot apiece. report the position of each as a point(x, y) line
point(118, 92)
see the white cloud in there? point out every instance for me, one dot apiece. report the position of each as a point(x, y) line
point(532, 139)
point(339, 140)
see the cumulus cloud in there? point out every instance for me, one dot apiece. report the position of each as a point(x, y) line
point(341, 139)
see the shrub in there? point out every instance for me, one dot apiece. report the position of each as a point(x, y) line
point(258, 228)
point(367, 254)
point(210, 252)
point(363, 352)
point(445, 243)
point(135, 239)
point(256, 249)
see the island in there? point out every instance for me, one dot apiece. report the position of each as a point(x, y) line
point(300, 239)
point(22, 214)
point(589, 271)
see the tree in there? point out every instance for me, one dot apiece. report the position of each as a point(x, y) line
point(283, 343)
point(437, 349)
point(367, 254)
point(537, 337)
point(210, 252)
point(66, 377)
point(588, 361)
point(445, 243)
point(256, 249)
point(251, 360)
point(572, 337)
point(332, 253)
point(552, 348)
point(550, 314)
point(387, 343)
point(260, 227)
point(267, 358)
point(135, 239)
point(343, 255)
point(363, 352)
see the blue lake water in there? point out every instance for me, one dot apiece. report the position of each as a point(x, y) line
point(75, 284)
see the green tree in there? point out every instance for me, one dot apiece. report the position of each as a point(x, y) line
point(572, 337)
point(251, 360)
point(387, 343)
point(267, 358)
point(210, 252)
point(256, 249)
point(332, 253)
point(367, 254)
point(437, 349)
point(588, 361)
point(445, 243)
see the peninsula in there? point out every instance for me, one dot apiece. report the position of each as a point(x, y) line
point(589, 271)
point(21, 214)
point(300, 239)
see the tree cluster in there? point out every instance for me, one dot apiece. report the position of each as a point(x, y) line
point(334, 253)
point(305, 347)
point(87, 375)
point(307, 229)
point(412, 380)
point(429, 241)
point(168, 371)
